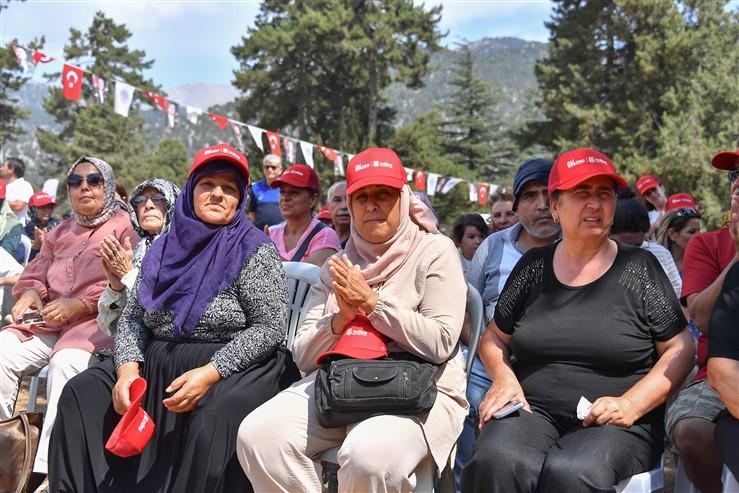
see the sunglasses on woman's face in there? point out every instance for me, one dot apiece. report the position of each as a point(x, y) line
point(94, 180)
point(733, 175)
point(140, 200)
point(687, 212)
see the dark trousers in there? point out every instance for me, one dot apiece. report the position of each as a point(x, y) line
point(727, 441)
point(527, 452)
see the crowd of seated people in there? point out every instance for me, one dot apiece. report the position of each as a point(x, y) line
point(582, 370)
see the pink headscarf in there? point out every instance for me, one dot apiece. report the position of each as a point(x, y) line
point(379, 261)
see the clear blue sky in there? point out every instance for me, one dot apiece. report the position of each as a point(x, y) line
point(190, 41)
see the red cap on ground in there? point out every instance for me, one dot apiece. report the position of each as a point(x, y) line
point(680, 201)
point(41, 198)
point(221, 152)
point(574, 167)
point(375, 166)
point(725, 160)
point(135, 429)
point(645, 183)
point(298, 175)
point(360, 340)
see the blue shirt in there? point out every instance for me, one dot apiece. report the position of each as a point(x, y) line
point(264, 202)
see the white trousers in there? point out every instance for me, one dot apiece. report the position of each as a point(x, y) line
point(278, 441)
point(18, 359)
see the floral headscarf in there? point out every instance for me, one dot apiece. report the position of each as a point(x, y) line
point(110, 206)
point(170, 191)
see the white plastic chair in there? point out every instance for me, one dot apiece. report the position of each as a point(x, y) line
point(300, 277)
point(730, 483)
point(26, 241)
point(684, 485)
point(644, 482)
point(426, 471)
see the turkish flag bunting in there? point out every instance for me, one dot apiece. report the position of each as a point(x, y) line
point(158, 100)
point(420, 181)
point(274, 143)
point(482, 193)
point(39, 57)
point(221, 121)
point(329, 153)
point(72, 79)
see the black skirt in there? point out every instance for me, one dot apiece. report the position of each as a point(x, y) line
point(189, 452)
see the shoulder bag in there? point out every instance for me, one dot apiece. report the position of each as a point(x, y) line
point(19, 438)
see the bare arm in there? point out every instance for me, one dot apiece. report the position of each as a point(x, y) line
point(723, 377)
point(16, 205)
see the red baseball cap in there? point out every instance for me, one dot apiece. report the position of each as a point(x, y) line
point(574, 167)
point(646, 182)
point(221, 152)
point(360, 340)
point(135, 429)
point(679, 201)
point(41, 198)
point(375, 166)
point(2, 188)
point(298, 175)
point(725, 160)
point(324, 213)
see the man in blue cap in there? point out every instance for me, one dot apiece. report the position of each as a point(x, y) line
point(492, 264)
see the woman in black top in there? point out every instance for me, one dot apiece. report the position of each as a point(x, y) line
point(585, 317)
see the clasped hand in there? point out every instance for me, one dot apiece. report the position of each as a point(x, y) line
point(116, 259)
point(351, 289)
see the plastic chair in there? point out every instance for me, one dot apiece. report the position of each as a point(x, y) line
point(683, 484)
point(26, 242)
point(426, 480)
point(33, 388)
point(730, 483)
point(300, 277)
point(644, 482)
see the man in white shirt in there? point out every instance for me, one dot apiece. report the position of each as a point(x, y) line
point(17, 190)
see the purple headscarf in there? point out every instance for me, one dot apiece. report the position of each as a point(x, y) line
point(186, 268)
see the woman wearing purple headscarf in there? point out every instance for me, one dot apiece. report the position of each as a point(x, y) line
point(204, 327)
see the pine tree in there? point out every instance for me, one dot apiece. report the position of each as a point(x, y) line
point(11, 80)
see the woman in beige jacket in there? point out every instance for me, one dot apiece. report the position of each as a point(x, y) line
point(408, 280)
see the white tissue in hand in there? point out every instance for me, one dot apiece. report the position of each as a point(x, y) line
point(583, 408)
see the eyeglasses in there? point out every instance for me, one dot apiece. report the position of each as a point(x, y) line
point(270, 167)
point(687, 212)
point(733, 175)
point(94, 180)
point(140, 200)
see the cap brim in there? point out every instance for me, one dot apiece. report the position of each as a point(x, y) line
point(575, 181)
point(389, 181)
point(220, 157)
point(358, 354)
point(724, 160)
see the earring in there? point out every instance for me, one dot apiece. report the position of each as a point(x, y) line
point(556, 219)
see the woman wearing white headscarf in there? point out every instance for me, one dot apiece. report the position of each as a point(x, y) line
point(408, 280)
point(63, 284)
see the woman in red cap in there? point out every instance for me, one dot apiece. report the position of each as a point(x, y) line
point(301, 237)
point(600, 344)
point(399, 273)
point(203, 327)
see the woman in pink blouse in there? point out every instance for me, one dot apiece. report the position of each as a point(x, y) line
point(302, 237)
point(58, 294)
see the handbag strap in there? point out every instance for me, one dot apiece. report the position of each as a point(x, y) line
point(27, 457)
point(304, 246)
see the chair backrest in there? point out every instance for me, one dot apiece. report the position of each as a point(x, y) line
point(475, 315)
point(300, 277)
point(26, 241)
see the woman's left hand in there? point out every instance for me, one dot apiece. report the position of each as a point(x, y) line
point(619, 411)
point(190, 387)
point(63, 310)
point(351, 285)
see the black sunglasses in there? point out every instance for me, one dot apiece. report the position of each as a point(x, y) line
point(687, 212)
point(270, 166)
point(94, 180)
point(140, 200)
point(733, 175)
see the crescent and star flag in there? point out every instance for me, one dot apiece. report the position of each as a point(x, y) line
point(274, 143)
point(220, 121)
point(307, 149)
point(420, 181)
point(159, 100)
point(329, 153)
point(39, 57)
point(123, 98)
point(256, 134)
point(482, 192)
point(98, 83)
point(25, 58)
point(72, 80)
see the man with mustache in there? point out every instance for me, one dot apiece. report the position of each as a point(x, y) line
point(339, 211)
point(493, 262)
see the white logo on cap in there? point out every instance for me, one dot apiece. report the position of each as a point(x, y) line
point(356, 332)
point(591, 159)
point(374, 164)
point(295, 172)
point(224, 150)
point(143, 422)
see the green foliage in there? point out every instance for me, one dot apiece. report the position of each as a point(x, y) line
point(11, 80)
point(651, 84)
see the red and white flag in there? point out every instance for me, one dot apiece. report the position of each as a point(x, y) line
point(39, 57)
point(420, 181)
point(98, 84)
point(123, 98)
point(72, 80)
point(25, 58)
point(328, 152)
point(307, 149)
point(220, 121)
point(482, 193)
point(256, 134)
point(159, 100)
point(274, 143)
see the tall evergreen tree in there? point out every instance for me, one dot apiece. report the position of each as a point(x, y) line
point(318, 68)
point(474, 133)
point(11, 80)
point(91, 128)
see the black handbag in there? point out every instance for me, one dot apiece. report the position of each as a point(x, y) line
point(349, 390)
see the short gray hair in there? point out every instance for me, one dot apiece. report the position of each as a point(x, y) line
point(333, 188)
point(272, 158)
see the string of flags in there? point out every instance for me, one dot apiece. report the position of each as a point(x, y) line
point(73, 77)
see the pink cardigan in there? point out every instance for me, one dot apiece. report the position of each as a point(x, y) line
point(68, 266)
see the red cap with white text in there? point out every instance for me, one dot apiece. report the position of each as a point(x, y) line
point(221, 152)
point(360, 340)
point(680, 201)
point(646, 183)
point(41, 198)
point(135, 429)
point(725, 160)
point(574, 167)
point(298, 175)
point(375, 166)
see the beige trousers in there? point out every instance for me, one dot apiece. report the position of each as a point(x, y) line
point(18, 359)
point(278, 442)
